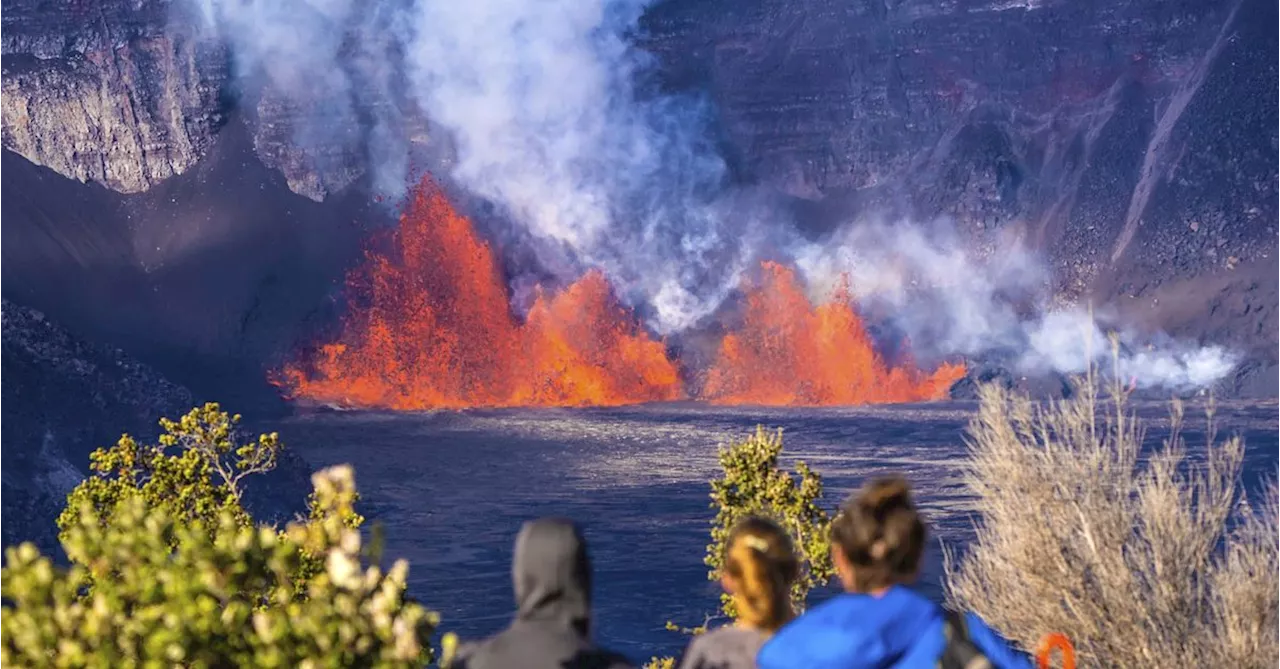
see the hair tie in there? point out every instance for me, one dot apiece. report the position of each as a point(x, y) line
point(878, 550)
point(756, 543)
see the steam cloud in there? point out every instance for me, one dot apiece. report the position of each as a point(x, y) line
point(541, 100)
point(334, 62)
point(541, 103)
point(946, 301)
point(546, 122)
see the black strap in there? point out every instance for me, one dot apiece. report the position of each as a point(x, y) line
point(960, 652)
point(956, 625)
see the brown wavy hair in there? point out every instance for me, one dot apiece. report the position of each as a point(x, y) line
point(881, 534)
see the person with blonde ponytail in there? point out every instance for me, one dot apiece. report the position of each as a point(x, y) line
point(759, 567)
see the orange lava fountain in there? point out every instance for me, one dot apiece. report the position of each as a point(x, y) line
point(430, 327)
point(789, 352)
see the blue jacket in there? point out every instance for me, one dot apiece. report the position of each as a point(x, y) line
point(899, 629)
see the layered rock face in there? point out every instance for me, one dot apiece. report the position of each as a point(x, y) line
point(1132, 145)
point(208, 276)
point(128, 93)
point(1055, 114)
point(109, 92)
point(1051, 113)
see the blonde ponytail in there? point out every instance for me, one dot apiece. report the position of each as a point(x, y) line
point(760, 559)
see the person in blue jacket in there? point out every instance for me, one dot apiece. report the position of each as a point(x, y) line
point(877, 541)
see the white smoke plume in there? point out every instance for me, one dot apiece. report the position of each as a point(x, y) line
point(542, 103)
point(542, 107)
point(1069, 340)
point(947, 301)
point(334, 61)
point(543, 115)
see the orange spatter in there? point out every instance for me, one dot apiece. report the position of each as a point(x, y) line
point(429, 326)
point(790, 352)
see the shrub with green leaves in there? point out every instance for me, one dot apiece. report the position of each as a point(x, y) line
point(754, 483)
point(169, 569)
point(227, 595)
point(195, 471)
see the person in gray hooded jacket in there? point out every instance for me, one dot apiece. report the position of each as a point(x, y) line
point(552, 627)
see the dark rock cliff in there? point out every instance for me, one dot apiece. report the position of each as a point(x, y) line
point(210, 276)
point(129, 93)
point(1132, 144)
point(110, 92)
point(62, 398)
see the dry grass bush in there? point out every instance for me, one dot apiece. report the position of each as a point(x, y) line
point(1141, 562)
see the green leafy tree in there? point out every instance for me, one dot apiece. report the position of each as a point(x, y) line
point(185, 593)
point(168, 568)
point(753, 482)
point(195, 471)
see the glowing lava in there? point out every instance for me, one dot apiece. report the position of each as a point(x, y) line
point(429, 327)
point(790, 352)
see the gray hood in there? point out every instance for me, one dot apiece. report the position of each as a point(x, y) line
point(552, 574)
point(552, 628)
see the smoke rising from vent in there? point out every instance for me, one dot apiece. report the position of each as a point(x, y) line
point(547, 121)
point(924, 282)
point(333, 62)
